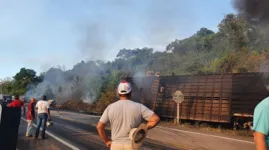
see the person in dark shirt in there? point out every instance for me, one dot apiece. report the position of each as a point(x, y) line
point(30, 117)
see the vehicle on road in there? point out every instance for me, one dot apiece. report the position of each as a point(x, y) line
point(217, 98)
point(5, 98)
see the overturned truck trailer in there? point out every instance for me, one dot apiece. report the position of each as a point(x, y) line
point(222, 98)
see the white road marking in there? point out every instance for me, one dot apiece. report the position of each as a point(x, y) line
point(202, 134)
point(215, 136)
point(57, 138)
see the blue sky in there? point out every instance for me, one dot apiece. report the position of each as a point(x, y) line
point(40, 34)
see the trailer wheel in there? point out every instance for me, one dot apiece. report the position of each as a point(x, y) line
point(235, 125)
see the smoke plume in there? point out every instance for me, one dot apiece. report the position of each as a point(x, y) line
point(83, 82)
point(253, 10)
point(93, 44)
point(110, 29)
point(98, 39)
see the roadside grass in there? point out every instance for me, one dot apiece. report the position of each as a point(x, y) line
point(196, 125)
point(203, 126)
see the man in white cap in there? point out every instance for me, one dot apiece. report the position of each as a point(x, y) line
point(124, 115)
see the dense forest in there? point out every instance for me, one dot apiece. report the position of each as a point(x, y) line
point(238, 46)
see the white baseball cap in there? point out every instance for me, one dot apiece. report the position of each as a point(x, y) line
point(124, 88)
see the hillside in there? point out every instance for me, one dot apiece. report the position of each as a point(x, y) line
point(238, 46)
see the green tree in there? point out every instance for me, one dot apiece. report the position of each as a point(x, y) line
point(6, 85)
point(195, 68)
point(228, 62)
point(25, 75)
point(22, 79)
point(236, 29)
point(204, 32)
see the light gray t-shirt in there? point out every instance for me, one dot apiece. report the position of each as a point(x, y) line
point(124, 115)
point(42, 106)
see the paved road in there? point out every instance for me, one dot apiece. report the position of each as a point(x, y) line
point(182, 138)
point(85, 137)
point(81, 136)
point(28, 143)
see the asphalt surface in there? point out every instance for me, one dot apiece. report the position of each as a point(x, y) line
point(79, 130)
point(85, 137)
point(28, 143)
point(182, 138)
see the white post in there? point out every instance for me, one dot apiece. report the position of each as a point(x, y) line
point(178, 97)
point(177, 113)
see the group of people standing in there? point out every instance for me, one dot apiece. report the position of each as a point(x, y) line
point(36, 109)
point(125, 114)
point(43, 114)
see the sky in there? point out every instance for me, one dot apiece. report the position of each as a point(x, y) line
point(39, 34)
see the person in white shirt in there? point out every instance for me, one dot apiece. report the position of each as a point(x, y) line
point(123, 116)
point(43, 114)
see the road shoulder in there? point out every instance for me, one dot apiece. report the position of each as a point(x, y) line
point(28, 143)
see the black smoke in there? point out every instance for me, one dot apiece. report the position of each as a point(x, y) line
point(254, 11)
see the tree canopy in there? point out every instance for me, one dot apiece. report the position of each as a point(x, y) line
point(238, 46)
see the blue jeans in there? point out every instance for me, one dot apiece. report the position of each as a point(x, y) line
point(43, 117)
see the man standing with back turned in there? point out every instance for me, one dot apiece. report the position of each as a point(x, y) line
point(123, 116)
point(43, 114)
